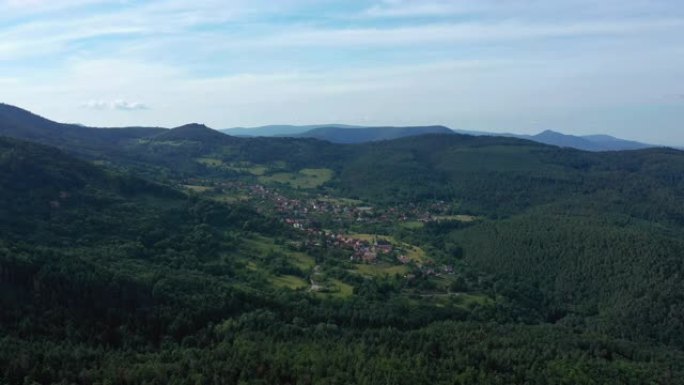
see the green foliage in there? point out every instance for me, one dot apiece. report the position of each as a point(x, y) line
point(571, 274)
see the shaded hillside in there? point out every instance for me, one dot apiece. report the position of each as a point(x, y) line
point(21, 124)
point(195, 133)
point(93, 249)
point(46, 193)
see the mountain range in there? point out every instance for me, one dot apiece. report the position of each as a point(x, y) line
point(22, 124)
point(338, 133)
point(403, 255)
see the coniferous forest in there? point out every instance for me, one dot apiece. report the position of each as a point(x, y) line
point(188, 256)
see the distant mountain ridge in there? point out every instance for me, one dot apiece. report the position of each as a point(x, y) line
point(340, 133)
point(21, 124)
point(370, 134)
point(278, 129)
point(587, 143)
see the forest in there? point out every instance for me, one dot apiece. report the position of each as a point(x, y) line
point(150, 256)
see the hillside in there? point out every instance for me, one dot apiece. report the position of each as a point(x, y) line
point(586, 143)
point(257, 256)
point(195, 133)
point(151, 282)
point(611, 143)
point(21, 124)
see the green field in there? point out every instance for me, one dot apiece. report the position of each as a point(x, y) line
point(340, 289)
point(263, 245)
point(197, 189)
point(459, 218)
point(412, 225)
point(342, 201)
point(289, 282)
point(305, 179)
point(241, 167)
point(230, 198)
point(381, 269)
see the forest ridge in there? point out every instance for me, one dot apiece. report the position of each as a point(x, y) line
point(147, 255)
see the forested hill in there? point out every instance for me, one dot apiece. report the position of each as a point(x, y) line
point(370, 134)
point(194, 132)
point(107, 278)
point(21, 124)
point(440, 258)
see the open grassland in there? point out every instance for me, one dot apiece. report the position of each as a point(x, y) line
point(262, 245)
point(230, 198)
point(338, 289)
point(304, 179)
point(412, 225)
point(289, 282)
point(241, 167)
point(342, 201)
point(197, 189)
point(459, 218)
point(414, 253)
point(381, 269)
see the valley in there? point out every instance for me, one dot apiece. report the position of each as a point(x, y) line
point(165, 254)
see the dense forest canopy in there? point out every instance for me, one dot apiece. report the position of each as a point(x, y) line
point(188, 256)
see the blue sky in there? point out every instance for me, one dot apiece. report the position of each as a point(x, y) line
point(523, 66)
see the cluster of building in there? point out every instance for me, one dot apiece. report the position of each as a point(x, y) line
point(362, 249)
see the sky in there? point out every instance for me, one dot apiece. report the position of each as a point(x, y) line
point(523, 66)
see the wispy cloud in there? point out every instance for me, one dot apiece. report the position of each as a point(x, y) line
point(480, 64)
point(119, 105)
point(408, 9)
point(459, 33)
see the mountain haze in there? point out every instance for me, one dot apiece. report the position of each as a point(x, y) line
point(370, 134)
point(340, 133)
point(278, 130)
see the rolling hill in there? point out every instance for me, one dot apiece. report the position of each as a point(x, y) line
point(195, 133)
point(369, 134)
point(340, 133)
point(21, 124)
point(587, 143)
point(567, 270)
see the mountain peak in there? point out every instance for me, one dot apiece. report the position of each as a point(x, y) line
point(550, 132)
point(192, 126)
point(195, 132)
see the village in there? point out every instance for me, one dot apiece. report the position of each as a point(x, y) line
point(326, 221)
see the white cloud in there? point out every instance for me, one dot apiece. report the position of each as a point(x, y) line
point(460, 33)
point(404, 9)
point(465, 63)
point(526, 9)
point(119, 104)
